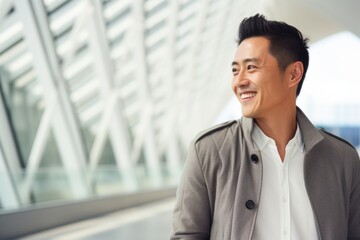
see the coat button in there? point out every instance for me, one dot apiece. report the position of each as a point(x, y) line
point(254, 158)
point(250, 204)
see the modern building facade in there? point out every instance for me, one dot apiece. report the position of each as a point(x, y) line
point(102, 97)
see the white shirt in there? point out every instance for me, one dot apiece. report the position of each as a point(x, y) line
point(284, 209)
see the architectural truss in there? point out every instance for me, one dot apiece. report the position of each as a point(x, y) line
point(103, 97)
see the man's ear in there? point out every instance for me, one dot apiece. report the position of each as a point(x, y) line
point(296, 73)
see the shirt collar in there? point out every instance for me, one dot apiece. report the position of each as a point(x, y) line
point(310, 135)
point(261, 140)
point(298, 139)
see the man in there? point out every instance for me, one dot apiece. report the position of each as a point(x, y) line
point(271, 174)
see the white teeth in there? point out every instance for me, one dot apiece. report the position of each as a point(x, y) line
point(247, 95)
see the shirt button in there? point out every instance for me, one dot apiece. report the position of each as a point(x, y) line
point(250, 204)
point(254, 158)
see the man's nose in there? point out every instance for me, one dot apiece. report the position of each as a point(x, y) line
point(241, 80)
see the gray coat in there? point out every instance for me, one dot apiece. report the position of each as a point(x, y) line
point(220, 188)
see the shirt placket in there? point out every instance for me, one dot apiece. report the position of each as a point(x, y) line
point(285, 201)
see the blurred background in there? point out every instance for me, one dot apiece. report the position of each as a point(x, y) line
point(99, 99)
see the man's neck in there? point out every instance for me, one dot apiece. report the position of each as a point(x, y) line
point(279, 126)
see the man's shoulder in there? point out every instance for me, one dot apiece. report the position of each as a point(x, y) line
point(336, 139)
point(218, 131)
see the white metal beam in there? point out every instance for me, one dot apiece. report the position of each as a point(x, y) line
point(9, 163)
point(186, 98)
point(10, 153)
point(147, 136)
point(167, 134)
point(117, 128)
point(8, 194)
point(56, 80)
point(37, 149)
point(69, 148)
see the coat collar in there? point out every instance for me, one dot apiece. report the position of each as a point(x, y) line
point(311, 135)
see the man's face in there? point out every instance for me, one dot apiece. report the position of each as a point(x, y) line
point(258, 82)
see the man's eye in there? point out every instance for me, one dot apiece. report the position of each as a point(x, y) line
point(250, 67)
point(234, 70)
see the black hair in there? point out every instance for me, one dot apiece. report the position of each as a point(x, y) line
point(287, 44)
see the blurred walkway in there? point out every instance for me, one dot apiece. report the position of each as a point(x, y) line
point(146, 222)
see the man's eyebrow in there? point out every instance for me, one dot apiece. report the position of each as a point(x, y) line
point(246, 60)
point(234, 63)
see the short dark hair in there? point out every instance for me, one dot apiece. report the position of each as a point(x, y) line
point(287, 44)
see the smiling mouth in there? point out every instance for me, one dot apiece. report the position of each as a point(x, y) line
point(247, 96)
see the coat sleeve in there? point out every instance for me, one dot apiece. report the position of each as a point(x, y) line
point(192, 215)
point(354, 212)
